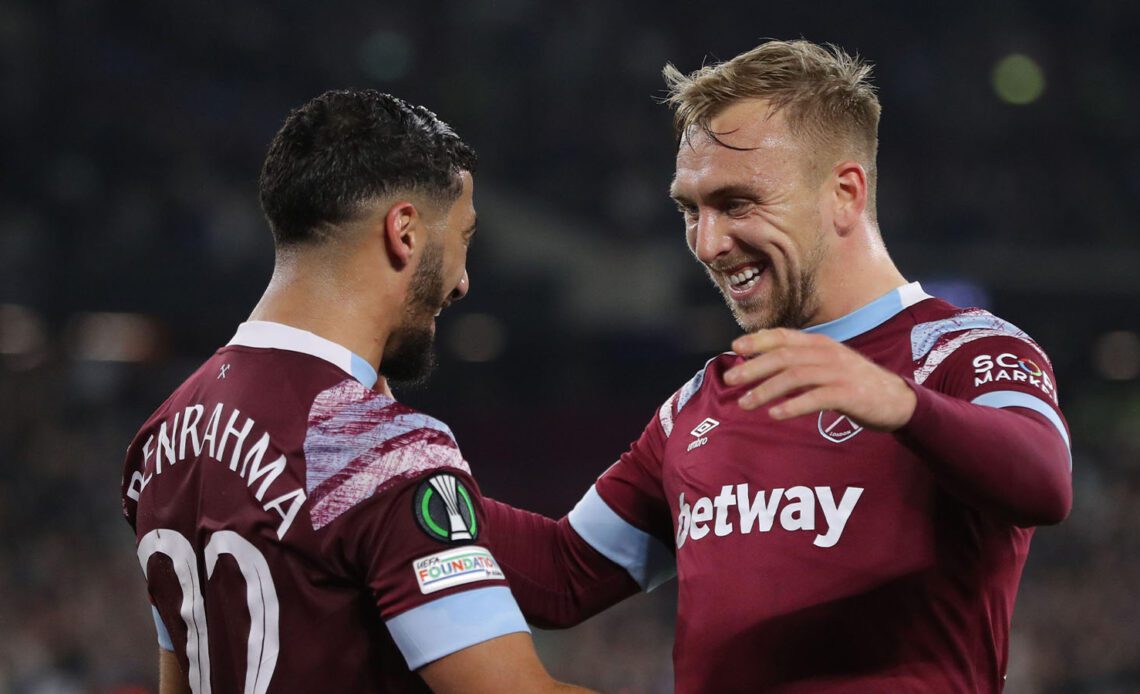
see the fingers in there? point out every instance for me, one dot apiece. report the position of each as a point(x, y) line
point(814, 400)
point(768, 340)
point(770, 363)
point(806, 368)
point(787, 381)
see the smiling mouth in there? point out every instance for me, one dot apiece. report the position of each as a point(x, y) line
point(744, 278)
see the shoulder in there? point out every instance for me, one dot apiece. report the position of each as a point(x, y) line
point(359, 443)
point(943, 330)
point(706, 377)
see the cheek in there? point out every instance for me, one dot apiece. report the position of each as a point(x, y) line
point(460, 262)
point(793, 231)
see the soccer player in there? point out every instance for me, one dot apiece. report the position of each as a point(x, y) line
point(300, 530)
point(847, 498)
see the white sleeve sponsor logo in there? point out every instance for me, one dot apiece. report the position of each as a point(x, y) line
point(455, 567)
point(794, 508)
point(1010, 368)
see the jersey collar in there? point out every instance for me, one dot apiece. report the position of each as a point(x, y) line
point(269, 335)
point(872, 315)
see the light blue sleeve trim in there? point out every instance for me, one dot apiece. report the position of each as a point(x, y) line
point(644, 557)
point(441, 627)
point(1015, 398)
point(164, 640)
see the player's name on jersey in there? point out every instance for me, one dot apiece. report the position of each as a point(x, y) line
point(192, 434)
point(794, 507)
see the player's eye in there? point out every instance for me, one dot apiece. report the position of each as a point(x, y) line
point(737, 207)
point(689, 212)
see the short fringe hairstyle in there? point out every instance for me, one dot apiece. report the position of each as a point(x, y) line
point(825, 94)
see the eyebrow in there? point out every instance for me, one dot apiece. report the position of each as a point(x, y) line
point(673, 190)
point(732, 190)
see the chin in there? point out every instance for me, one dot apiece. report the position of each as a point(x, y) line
point(752, 318)
point(412, 358)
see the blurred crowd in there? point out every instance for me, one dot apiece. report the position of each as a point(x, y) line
point(131, 244)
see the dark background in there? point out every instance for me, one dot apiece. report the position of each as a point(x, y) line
point(131, 245)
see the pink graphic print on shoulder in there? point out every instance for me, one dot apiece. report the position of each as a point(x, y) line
point(359, 440)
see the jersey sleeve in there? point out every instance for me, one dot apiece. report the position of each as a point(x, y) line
point(625, 515)
point(396, 507)
point(993, 364)
point(615, 542)
point(424, 555)
point(133, 483)
point(164, 640)
point(987, 421)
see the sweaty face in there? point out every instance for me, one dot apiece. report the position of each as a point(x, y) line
point(752, 215)
point(439, 280)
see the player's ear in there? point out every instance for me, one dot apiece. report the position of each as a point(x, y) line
point(849, 194)
point(402, 229)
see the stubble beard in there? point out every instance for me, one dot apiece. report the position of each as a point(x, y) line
point(410, 359)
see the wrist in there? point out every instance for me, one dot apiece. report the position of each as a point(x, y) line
point(908, 403)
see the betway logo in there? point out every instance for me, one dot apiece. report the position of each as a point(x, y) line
point(795, 506)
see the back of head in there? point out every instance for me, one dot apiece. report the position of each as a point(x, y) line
point(346, 148)
point(825, 95)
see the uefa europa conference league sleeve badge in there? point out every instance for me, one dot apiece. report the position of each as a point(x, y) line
point(444, 510)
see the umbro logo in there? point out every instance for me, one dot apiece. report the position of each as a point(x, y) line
point(705, 427)
point(699, 432)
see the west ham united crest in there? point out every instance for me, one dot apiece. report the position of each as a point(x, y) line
point(444, 510)
point(836, 427)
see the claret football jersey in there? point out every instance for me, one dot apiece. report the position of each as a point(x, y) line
point(300, 531)
point(812, 554)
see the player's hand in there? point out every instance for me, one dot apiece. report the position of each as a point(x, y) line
point(817, 373)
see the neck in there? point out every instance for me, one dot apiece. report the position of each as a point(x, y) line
point(856, 272)
point(325, 303)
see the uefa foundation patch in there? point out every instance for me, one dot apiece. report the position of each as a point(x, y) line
point(444, 510)
point(455, 567)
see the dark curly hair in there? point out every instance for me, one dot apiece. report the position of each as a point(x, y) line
point(347, 147)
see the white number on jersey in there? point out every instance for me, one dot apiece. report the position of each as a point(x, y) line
point(260, 595)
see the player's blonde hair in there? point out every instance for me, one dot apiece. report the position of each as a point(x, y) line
point(825, 94)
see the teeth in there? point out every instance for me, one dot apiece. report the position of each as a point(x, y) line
point(747, 275)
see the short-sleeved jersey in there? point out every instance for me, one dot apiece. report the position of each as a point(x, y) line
point(813, 555)
point(301, 532)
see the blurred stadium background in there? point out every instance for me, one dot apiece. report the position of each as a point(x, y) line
point(131, 245)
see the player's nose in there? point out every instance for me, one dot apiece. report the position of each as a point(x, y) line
point(461, 288)
point(711, 241)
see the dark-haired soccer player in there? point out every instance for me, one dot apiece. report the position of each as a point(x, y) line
point(300, 530)
point(847, 500)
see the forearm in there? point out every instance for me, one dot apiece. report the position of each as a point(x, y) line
point(556, 577)
point(171, 679)
point(1010, 462)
